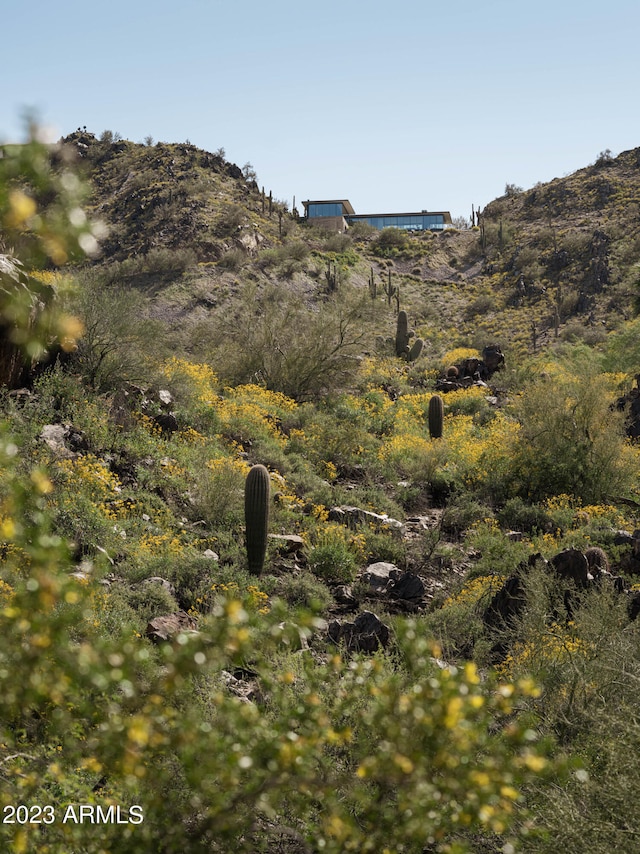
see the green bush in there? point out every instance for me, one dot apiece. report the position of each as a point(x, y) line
point(334, 556)
point(570, 440)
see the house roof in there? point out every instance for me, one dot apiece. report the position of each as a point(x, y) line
point(346, 204)
point(349, 211)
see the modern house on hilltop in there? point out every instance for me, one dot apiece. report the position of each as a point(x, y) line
point(338, 214)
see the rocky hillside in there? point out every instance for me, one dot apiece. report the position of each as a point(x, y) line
point(559, 260)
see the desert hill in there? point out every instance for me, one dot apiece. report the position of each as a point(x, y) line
point(559, 259)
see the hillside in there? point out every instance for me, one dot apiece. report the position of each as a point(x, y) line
point(562, 255)
point(291, 561)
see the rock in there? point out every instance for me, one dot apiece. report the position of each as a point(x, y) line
point(572, 565)
point(343, 595)
point(287, 543)
point(633, 605)
point(366, 634)
point(597, 562)
point(166, 627)
point(55, 437)
point(493, 358)
point(211, 555)
point(246, 691)
point(355, 516)
point(378, 575)
point(407, 586)
point(506, 604)
point(166, 398)
point(167, 422)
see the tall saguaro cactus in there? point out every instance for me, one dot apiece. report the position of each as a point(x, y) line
point(435, 416)
point(403, 334)
point(256, 516)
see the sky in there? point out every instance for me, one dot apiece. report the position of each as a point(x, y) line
point(396, 106)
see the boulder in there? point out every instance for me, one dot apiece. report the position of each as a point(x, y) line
point(366, 634)
point(166, 627)
point(378, 575)
point(407, 586)
point(572, 565)
point(64, 440)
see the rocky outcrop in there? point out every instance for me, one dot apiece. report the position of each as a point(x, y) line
point(472, 371)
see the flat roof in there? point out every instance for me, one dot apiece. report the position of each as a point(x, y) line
point(344, 202)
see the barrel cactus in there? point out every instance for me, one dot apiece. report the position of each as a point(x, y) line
point(256, 515)
point(436, 416)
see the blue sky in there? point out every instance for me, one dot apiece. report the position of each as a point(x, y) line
point(396, 106)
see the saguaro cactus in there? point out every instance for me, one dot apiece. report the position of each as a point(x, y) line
point(436, 416)
point(415, 350)
point(256, 516)
point(402, 334)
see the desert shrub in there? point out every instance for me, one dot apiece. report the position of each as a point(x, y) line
point(457, 624)
point(390, 241)
point(480, 305)
point(362, 231)
point(218, 493)
point(498, 554)
point(576, 331)
point(303, 590)
point(336, 553)
point(231, 218)
point(118, 341)
point(233, 259)
point(570, 441)
point(338, 243)
point(384, 546)
point(299, 350)
point(462, 512)
point(622, 349)
point(529, 518)
point(148, 600)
